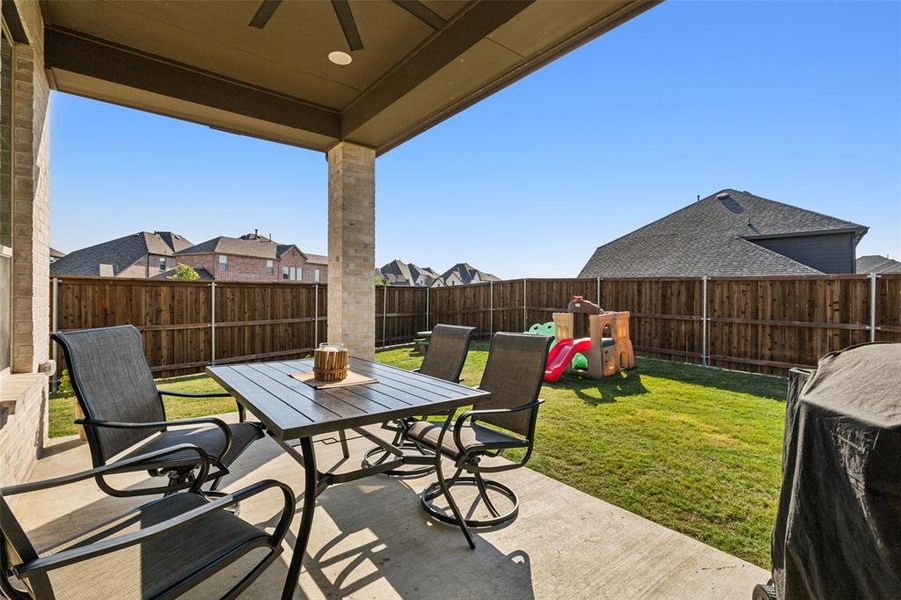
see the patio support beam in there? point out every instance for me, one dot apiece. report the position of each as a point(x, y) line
point(467, 29)
point(351, 248)
point(100, 59)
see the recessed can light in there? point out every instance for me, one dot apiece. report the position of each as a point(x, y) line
point(340, 58)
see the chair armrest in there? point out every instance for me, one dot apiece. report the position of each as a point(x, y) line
point(476, 413)
point(74, 555)
point(162, 392)
point(165, 424)
point(122, 465)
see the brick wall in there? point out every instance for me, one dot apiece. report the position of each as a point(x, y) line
point(140, 267)
point(21, 433)
point(246, 268)
point(351, 248)
point(22, 421)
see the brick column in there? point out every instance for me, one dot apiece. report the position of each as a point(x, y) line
point(31, 257)
point(351, 248)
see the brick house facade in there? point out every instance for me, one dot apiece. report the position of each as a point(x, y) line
point(25, 272)
point(254, 258)
point(142, 255)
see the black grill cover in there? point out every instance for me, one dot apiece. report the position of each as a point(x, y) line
point(838, 523)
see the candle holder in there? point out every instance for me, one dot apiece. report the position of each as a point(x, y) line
point(330, 362)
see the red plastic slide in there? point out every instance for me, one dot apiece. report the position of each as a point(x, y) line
point(561, 355)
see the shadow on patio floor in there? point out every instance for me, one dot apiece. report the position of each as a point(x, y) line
point(371, 539)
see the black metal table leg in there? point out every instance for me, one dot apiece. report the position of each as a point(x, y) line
point(311, 484)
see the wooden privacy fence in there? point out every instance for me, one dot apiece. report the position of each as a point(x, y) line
point(758, 324)
point(188, 325)
point(761, 324)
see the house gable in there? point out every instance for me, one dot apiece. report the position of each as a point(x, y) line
point(827, 253)
point(730, 233)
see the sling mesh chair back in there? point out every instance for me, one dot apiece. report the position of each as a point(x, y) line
point(447, 352)
point(448, 348)
point(157, 550)
point(513, 375)
point(123, 407)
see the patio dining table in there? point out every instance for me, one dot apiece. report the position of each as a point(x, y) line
point(293, 412)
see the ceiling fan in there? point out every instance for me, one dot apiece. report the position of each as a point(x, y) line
point(346, 18)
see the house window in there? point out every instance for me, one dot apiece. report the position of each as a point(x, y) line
point(223, 262)
point(293, 274)
point(285, 272)
point(6, 197)
point(316, 275)
point(299, 274)
point(162, 264)
point(270, 268)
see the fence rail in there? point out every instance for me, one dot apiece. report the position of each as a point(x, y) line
point(762, 324)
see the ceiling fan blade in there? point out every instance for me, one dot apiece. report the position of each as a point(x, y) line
point(346, 18)
point(422, 12)
point(264, 13)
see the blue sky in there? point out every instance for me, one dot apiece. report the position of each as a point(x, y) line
point(795, 101)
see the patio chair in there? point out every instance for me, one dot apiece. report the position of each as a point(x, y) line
point(513, 375)
point(123, 407)
point(445, 358)
point(158, 550)
point(447, 352)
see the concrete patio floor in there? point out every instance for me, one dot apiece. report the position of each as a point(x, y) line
point(371, 539)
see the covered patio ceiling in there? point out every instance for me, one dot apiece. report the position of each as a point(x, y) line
point(262, 68)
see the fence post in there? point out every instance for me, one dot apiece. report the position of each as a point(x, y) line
point(704, 321)
point(316, 317)
point(872, 307)
point(384, 312)
point(427, 321)
point(213, 323)
point(525, 308)
point(599, 291)
point(54, 383)
point(490, 308)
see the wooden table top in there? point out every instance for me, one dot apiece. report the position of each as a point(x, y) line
point(291, 409)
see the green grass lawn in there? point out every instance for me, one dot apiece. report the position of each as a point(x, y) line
point(62, 410)
point(697, 450)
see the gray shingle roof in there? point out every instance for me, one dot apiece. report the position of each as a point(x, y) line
point(397, 272)
point(120, 253)
point(466, 272)
point(176, 242)
point(250, 244)
point(260, 248)
point(713, 237)
point(874, 263)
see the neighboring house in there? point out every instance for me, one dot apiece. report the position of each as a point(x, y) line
point(426, 276)
point(253, 257)
point(397, 272)
point(55, 255)
point(142, 255)
point(732, 233)
point(873, 263)
point(317, 267)
point(463, 274)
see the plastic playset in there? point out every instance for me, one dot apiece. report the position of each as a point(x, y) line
point(606, 351)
